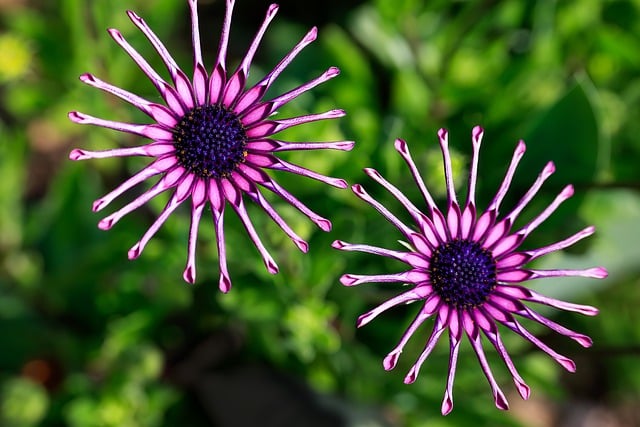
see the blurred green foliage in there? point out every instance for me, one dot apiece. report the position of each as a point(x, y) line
point(90, 339)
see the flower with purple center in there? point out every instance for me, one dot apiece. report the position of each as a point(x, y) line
point(466, 268)
point(211, 140)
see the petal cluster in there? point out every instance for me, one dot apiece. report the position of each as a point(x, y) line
point(504, 303)
point(181, 96)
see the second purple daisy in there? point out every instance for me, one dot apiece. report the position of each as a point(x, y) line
point(211, 141)
point(466, 269)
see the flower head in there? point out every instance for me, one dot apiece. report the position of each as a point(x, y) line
point(211, 140)
point(466, 268)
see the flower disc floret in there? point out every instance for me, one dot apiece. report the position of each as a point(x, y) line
point(210, 141)
point(463, 273)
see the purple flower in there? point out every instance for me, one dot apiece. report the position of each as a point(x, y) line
point(211, 141)
point(466, 268)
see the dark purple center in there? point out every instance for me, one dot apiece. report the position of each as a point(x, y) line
point(463, 273)
point(210, 141)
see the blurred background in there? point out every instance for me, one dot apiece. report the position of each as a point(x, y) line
point(90, 339)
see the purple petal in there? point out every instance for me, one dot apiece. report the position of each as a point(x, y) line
point(581, 339)
point(474, 337)
point(413, 210)
point(431, 305)
point(216, 198)
point(282, 165)
point(234, 196)
point(443, 138)
point(195, 42)
point(467, 220)
point(506, 182)
point(140, 103)
point(536, 253)
point(491, 332)
point(267, 128)
point(149, 150)
point(198, 198)
point(224, 38)
point(495, 233)
point(155, 41)
point(414, 259)
point(155, 168)
point(417, 293)
point(259, 199)
point(402, 148)
point(564, 195)
point(217, 81)
point(270, 78)
point(263, 179)
point(153, 131)
point(513, 324)
point(594, 273)
point(245, 65)
point(529, 295)
point(411, 276)
point(476, 138)
point(170, 180)
point(455, 331)
point(547, 171)
point(270, 145)
point(440, 324)
point(453, 220)
point(182, 192)
point(292, 94)
point(361, 193)
point(506, 245)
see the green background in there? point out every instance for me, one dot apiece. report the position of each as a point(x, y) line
point(88, 338)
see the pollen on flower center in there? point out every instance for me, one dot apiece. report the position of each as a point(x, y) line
point(463, 273)
point(210, 141)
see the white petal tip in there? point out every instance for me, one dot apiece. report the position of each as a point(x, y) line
point(340, 183)
point(311, 35)
point(273, 9)
point(447, 405)
point(224, 284)
point(348, 280)
point(567, 191)
point(189, 274)
point(338, 244)
point(106, 223)
point(302, 245)
point(372, 172)
point(390, 361)
point(76, 117)
point(133, 16)
point(87, 78)
point(401, 146)
point(549, 168)
point(115, 33)
point(567, 364)
point(332, 72)
point(443, 136)
point(324, 224)
point(598, 273)
point(98, 205)
point(77, 154)
point(358, 190)
point(476, 134)
point(135, 251)
point(272, 267)
point(523, 390)
point(501, 401)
